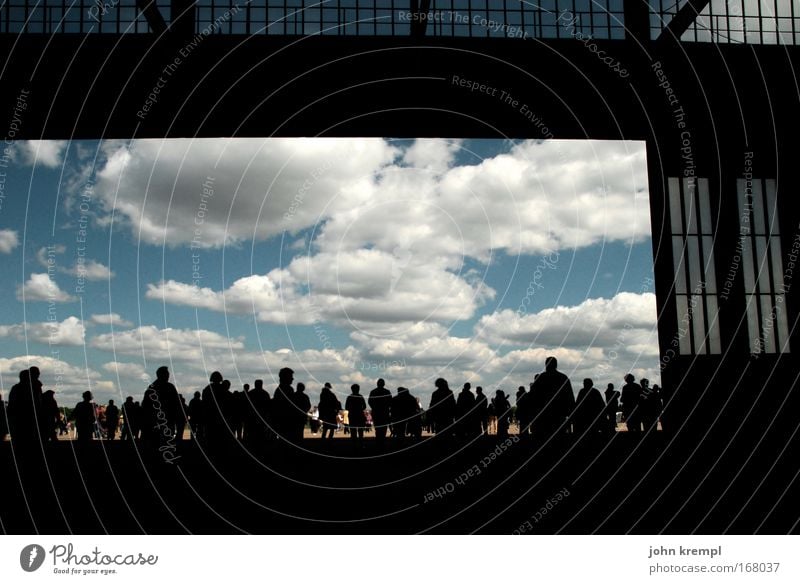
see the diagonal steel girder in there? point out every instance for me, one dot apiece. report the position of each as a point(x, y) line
point(152, 15)
point(419, 11)
point(687, 14)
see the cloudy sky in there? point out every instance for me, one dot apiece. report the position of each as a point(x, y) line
point(344, 259)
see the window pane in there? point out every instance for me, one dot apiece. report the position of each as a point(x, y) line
point(680, 269)
point(698, 324)
point(695, 274)
point(708, 264)
point(714, 337)
point(782, 325)
point(685, 344)
point(747, 262)
point(769, 325)
point(758, 209)
point(777, 265)
point(689, 205)
point(772, 208)
point(762, 265)
point(705, 206)
point(675, 205)
point(744, 212)
point(752, 324)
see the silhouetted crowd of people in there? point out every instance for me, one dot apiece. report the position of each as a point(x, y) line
point(217, 415)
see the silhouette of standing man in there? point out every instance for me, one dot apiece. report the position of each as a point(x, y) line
point(442, 408)
point(612, 407)
point(302, 404)
point(589, 409)
point(552, 401)
point(112, 420)
point(329, 407)
point(631, 394)
point(160, 408)
point(482, 409)
point(24, 403)
point(380, 401)
point(283, 405)
point(355, 406)
point(85, 418)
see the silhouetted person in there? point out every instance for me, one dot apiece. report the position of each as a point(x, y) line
point(84, 414)
point(442, 408)
point(130, 429)
point(3, 419)
point(482, 409)
point(257, 419)
point(23, 410)
point(552, 401)
point(160, 409)
point(380, 401)
point(49, 416)
point(196, 423)
point(612, 407)
point(589, 410)
point(329, 406)
point(467, 424)
point(302, 404)
point(112, 420)
point(502, 408)
point(523, 402)
point(216, 406)
point(405, 415)
point(631, 394)
point(355, 406)
point(283, 405)
point(183, 417)
point(650, 405)
point(238, 409)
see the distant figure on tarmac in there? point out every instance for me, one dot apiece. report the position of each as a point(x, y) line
point(650, 405)
point(196, 416)
point(257, 420)
point(468, 425)
point(283, 404)
point(160, 408)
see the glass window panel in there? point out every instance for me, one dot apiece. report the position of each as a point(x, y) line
point(675, 205)
point(705, 206)
point(752, 324)
point(680, 270)
point(689, 205)
point(762, 265)
point(782, 325)
point(768, 330)
point(741, 186)
point(759, 224)
point(772, 206)
point(777, 266)
point(748, 267)
point(684, 341)
point(698, 324)
point(708, 265)
point(695, 269)
point(714, 336)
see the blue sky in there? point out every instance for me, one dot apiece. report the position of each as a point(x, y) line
point(343, 259)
